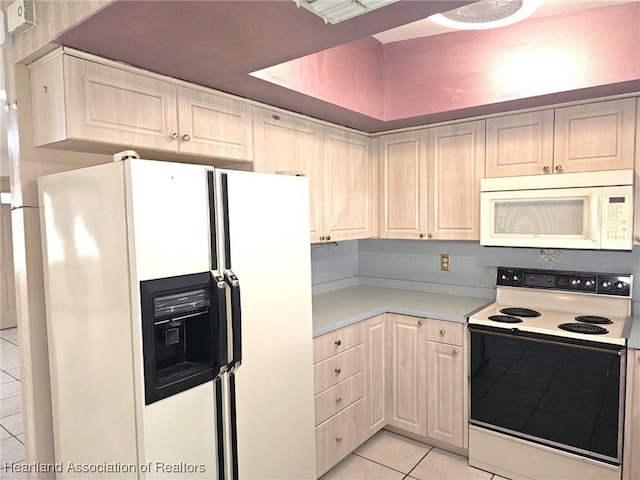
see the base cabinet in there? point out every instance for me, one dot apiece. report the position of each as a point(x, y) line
point(375, 373)
point(408, 362)
point(394, 370)
point(339, 388)
point(631, 457)
point(445, 377)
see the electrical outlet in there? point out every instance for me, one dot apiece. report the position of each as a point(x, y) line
point(445, 262)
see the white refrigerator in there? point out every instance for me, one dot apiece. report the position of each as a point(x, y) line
point(178, 302)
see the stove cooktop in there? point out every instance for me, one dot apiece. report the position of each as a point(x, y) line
point(586, 306)
point(549, 321)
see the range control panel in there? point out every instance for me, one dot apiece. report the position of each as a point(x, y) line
point(598, 283)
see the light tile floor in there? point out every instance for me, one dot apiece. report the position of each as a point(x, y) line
point(11, 427)
point(388, 456)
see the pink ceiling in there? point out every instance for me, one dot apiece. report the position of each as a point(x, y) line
point(340, 74)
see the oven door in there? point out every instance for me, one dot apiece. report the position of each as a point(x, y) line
point(555, 391)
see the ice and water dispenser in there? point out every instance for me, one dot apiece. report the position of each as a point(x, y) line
point(178, 330)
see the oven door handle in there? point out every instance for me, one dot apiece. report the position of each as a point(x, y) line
point(618, 350)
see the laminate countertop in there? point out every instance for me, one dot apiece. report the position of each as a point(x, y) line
point(344, 307)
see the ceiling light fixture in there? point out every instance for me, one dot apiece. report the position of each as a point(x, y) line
point(335, 11)
point(486, 14)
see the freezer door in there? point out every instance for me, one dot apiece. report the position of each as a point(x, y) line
point(266, 248)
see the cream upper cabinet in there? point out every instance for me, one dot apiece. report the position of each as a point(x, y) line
point(375, 373)
point(631, 459)
point(347, 173)
point(520, 144)
point(403, 185)
point(292, 145)
point(79, 104)
point(408, 393)
point(456, 165)
point(595, 136)
point(337, 163)
point(213, 125)
point(76, 99)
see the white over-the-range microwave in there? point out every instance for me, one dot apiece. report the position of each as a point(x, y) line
point(587, 210)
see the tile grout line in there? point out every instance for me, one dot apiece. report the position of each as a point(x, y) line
point(420, 461)
point(378, 463)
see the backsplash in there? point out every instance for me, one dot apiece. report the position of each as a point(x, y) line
point(415, 265)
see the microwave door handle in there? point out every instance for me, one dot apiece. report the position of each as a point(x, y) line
point(594, 235)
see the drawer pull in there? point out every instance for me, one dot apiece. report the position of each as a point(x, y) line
point(338, 371)
point(338, 343)
point(455, 352)
point(339, 440)
point(420, 322)
point(338, 399)
point(442, 333)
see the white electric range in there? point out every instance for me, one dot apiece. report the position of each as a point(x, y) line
point(547, 383)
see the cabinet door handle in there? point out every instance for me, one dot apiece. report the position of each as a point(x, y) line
point(443, 332)
point(173, 136)
point(558, 168)
point(339, 440)
point(328, 237)
point(321, 237)
point(186, 137)
point(338, 371)
point(338, 343)
point(545, 169)
point(338, 399)
point(455, 352)
point(45, 89)
point(422, 235)
point(420, 322)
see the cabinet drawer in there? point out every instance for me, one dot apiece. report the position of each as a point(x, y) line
point(445, 332)
point(339, 436)
point(337, 342)
point(337, 398)
point(334, 370)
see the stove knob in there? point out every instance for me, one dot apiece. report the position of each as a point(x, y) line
point(575, 282)
point(516, 278)
point(606, 285)
point(589, 283)
point(620, 285)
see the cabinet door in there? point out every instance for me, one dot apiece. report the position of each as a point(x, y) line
point(291, 145)
point(445, 393)
point(347, 186)
point(212, 125)
point(456, 165)
point(108, 105)
point(595, 136)
point(408, 402)
point(403, 189)
point(375, 371)
point(519, 144)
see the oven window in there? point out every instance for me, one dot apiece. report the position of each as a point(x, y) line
point(552, 393)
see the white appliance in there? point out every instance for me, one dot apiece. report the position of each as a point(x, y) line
point(178, 303)
point(547, 383)
point(589, 210)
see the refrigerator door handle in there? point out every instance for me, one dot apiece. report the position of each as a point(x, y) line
point(236, 318)
point(220, 341)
